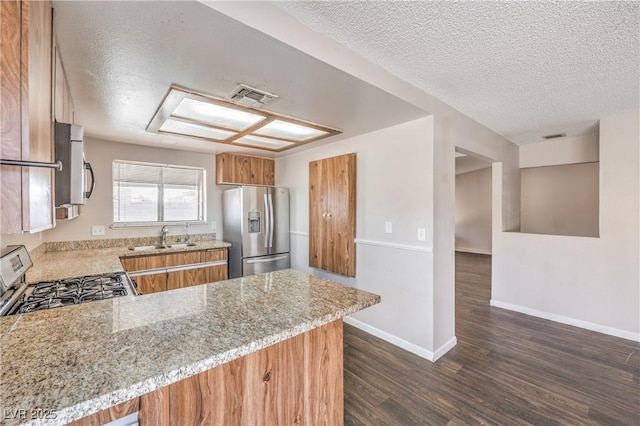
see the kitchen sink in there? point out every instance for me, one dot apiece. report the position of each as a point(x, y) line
point(160, 247)
point(140, 248)
point(181, 245)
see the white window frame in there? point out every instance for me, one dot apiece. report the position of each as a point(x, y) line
point(203, 195)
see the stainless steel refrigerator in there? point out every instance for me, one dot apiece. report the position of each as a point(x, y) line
point(256, 223)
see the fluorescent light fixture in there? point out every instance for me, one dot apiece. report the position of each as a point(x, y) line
point(286, 130)
point(217, 115)
point(190, 129)
point(189, 113)
point(260, 142)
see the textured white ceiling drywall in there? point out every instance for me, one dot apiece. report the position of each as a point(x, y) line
point(121, 57)
point(523, 69)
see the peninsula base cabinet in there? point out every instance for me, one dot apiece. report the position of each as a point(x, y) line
point(167, 278)
point(295, 382)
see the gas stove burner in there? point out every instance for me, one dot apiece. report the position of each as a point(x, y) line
point(71, 291)
point(38, 303)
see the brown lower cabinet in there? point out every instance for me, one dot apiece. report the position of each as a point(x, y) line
point(176, 279)
point(297, 381)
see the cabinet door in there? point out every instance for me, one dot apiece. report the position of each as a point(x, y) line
point(188, 277)
point(224, 168)
point(62, 103)
point(216, 273)
point(38, 211)
point(319, 231)
point(262, 171)
point(27, 132)
point(332, 214)
point(244, 170)
point(181, 258)
point(146, 283)
point(11, 117)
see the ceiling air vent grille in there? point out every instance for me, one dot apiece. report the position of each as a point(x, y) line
point(555, 136)
point(252, 97)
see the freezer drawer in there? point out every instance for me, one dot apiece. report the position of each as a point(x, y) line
point(259, 265)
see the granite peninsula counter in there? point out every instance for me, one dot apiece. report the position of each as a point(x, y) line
point(81, 359)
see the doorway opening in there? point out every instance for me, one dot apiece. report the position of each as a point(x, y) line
point(473, 232)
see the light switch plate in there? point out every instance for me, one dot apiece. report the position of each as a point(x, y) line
point(214, 226)
point(422, 234)
point(388, 228)
point(97, 230)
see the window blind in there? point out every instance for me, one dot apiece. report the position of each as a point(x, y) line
point(144, 192)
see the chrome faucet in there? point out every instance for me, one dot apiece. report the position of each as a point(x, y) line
point(163, 236)
point(187, 236)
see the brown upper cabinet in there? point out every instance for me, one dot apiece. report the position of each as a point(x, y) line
point(62, 102)
point(332, 214)
point(238, 169)
point(27, 126)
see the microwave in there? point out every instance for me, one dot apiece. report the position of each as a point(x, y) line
point(71, 181)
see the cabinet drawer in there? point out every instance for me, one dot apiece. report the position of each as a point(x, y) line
point(183, 258)
point(215, 254)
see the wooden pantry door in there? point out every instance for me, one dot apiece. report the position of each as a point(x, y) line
point(332, 214)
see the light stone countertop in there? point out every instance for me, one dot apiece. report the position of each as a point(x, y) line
point(80, 359)
point(54, 265)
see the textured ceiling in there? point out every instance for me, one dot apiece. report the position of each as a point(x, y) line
point(120, 59)
point(523, 69)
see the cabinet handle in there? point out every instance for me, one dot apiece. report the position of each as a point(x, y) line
point(57, 165)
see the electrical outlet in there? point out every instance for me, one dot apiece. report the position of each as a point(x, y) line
point(214, 226)
point(388, 228)
point(422, 234)
point(97, 230)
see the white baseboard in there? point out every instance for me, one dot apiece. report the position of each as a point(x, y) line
point(408, 346)
point(473, 250)
point(569, 321)
point(445, 348)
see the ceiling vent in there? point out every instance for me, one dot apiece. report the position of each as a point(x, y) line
point(251, 97)
point(555, 136)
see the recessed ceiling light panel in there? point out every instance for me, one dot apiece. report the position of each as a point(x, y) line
point(287, 130)
point(191, 129)
point(189, 113)
point(216, 114)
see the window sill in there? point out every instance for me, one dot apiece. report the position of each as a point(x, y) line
point(121, 225)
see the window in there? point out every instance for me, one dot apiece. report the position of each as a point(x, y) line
point(145, 192)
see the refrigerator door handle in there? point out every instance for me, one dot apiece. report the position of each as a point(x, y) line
point(267, 221)
point(271, 221)
point(271, 259)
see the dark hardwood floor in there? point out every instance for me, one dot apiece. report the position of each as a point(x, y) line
point(507, 369)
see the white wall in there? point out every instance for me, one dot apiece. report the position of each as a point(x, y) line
point(99, 209)
point(450, 129)
point(589, 282)
point(567, 150)
point(560, 200)
point(473, 211)
point(393, 184)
